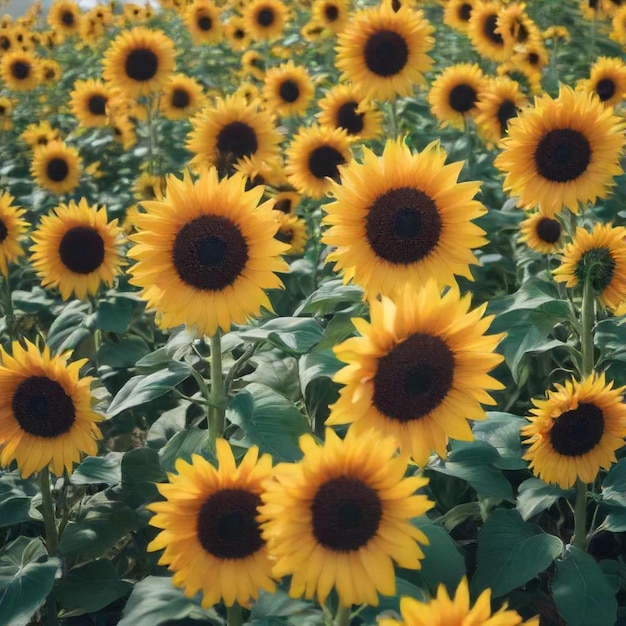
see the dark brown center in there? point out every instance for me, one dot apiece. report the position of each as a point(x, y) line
point(562, 155)
point(462, 98)
point(577, 431)
point(506, 111)
point(180, 98)
point(289, 91)
point(20, 70)
point(141, 64)
point(97, 105)
point(324, 162)
point(386, 53)
point(548, 230)
point(348, 118)
point(605, 89)
point(57, 169)
point(82, 249)
point(265, 17)
point(490, 25)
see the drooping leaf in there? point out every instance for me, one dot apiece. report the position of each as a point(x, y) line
point(114, 315)
point(293, 335)
point(98, 469)
point(501, 430)
point(535, 496)
point(191, 440)
point(614, 484)
point(15, 498)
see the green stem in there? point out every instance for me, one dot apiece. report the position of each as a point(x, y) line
point(587, 320)
point(580, 516)
point(217, 397)
point(467, 124)
point(8, 306)
point(393, 119)
point(343, 616)
point(234, 615)
point(47, 509)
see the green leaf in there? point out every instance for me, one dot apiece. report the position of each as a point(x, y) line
point(458, 514)
point(293, 335)
point(155, 601)
point(141, 389)
point(141, 465)
point(94, 470)
point(70, 327)
point(317, 364)
point(91, 587)
point(502, 431)
point(615, 521)
point(114, 315)
point(511, 552)
point(331, 296)
point(277, 604)
point(275, 370)
point(581, 591)
point(535, 496)
point(614, 484)
point(26, 578)
point(610, 337)
point(269, 421)
point(15, 498)
point(124, 353)
point(192, 440)
point(167, 425)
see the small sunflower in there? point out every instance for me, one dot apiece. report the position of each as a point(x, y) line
point(419, 371)
point(182, 96)
point(20, 71)
point(288, 89)
point(287, 202)
point(384, 53)
point(499, 102)
point(64, 16)
point(575, 431)
point(598, 256)
point(123, 131)
point(271, 173)
point(210, 533)
point(532, 55)
point(515, 25)
point(50, 71)
point(331, 14)
point(202, 18)
point(6, 112)
point(403, 218)
point(206, 253)
point(485, 34)
point(265, 19)
point(343, 107)
point(561, 152)
point(139, 61)
point(542, 234)
point(607, 79)
point(148, 187)
point(292, 230)
point(45, 411)
point(12, 227)
point(340, 518)
point(89, 100)
point(237, 34)
point(56, 167)
point(619, 26)
point(456, 611)
point(526, 76)
point(457, 14)
point(76, 250)
point(314, 157)
point(229, 130)
point(40, 134)
point(253, 64)
point(454, 94)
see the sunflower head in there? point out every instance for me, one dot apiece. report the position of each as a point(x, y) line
point(607, 79)
point(56, 167)
point(292, 230)
point(12, 227)
point(202, 18)
point(20, 70)
point(265, 19)
point(288, 89)
point(541, 233)
point(182, 96)
point(89, 101)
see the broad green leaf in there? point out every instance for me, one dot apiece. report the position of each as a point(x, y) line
point(15, 498)
point(94, 470)
point(331, 296)
point(616, 519)
point(614, 484)
point(269, 421)
point(277, 604)
point(340, 327)
point(535, 496)
point(167, 425)
point(581, 591)
point(458, 514)
point(91, 587)
point(155, 601)
point(511, 552)
point(610, 337)
point(141, 465)
point(316, 364)
point(70, 327)
point(294, 335)
point(502, 431)
point(124, 353)
point(26, 578)
point(37, 299)
point(114, 315)
point(191, 440)
point(275, 370)
point(141, 389)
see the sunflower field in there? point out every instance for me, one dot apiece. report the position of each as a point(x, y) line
point(312, 313)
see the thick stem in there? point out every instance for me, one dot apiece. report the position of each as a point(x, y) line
point(580, 516)
point(393, 119)
point(47, 509)
point(587, 321)
point(234, 615)
point(8, 306)
point(217, 398)
point(467, 125)
point(343, 616)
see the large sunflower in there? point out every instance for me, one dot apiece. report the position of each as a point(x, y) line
point(88, 101)
point(454, 94)
point(383, 52)
point(45, 410)
point(207, 252)
point(182, 96)
point(76, 250)
point(598, 256)
point(139, 61)
point(456, 611)
point(64, 16)
point(202, 18)
point(229, 130)
point(561, 152)
point(499, 102)
point(607, 79)
point(288, 89)
point(419, 371)
point(314, 157)
point(485, 33)
point(56, 167)
point(575, 431)
point(12, 227)
point(343, 107)
point(403, 218)
point(542, 234)
point(210, 535)
point(340, 517)
point(265, 19)
point(20, 71)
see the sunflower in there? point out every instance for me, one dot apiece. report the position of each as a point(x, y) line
point(314, 157)
point(248, 92)
point(343, 107)
point(598, 256)
point(207, 252)
point(148, 187)
point(76, 250)
point(202, 19)
point(561, 152)
point(124, 131)
point(457, 13)
point(485, 33)
point(257, 172)
point(383, 52)
point(56, 167)
point(340, 517)
point(542, 234)
point(265, 19)
point(288, 89)
point(454, 94)
point(419, 371)
point(7, 42)
point(619, 26)
point(237, 34)
point(515, 26)
point(139, 61)
point(607, 79)
point(575, 431)
point(229, 130)
point(6, 112)
point(526, 76)
point(181, 97)
point(20, 71)
point(499, 102)
point(287, 202)
point(50, 71)
point(331, 14)
point(40, 134)
point(533, 55)
point(253, 64)
point(210, 535)
point(402, 218)
point(45, 410)
point(64, 17)
point(88, 102)
point(292, 230)
point(12, 227)
point(456, 611)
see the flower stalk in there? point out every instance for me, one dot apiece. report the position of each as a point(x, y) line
point(234, 615)
point(47, 510)
point(217, 396)
point(343, 616)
